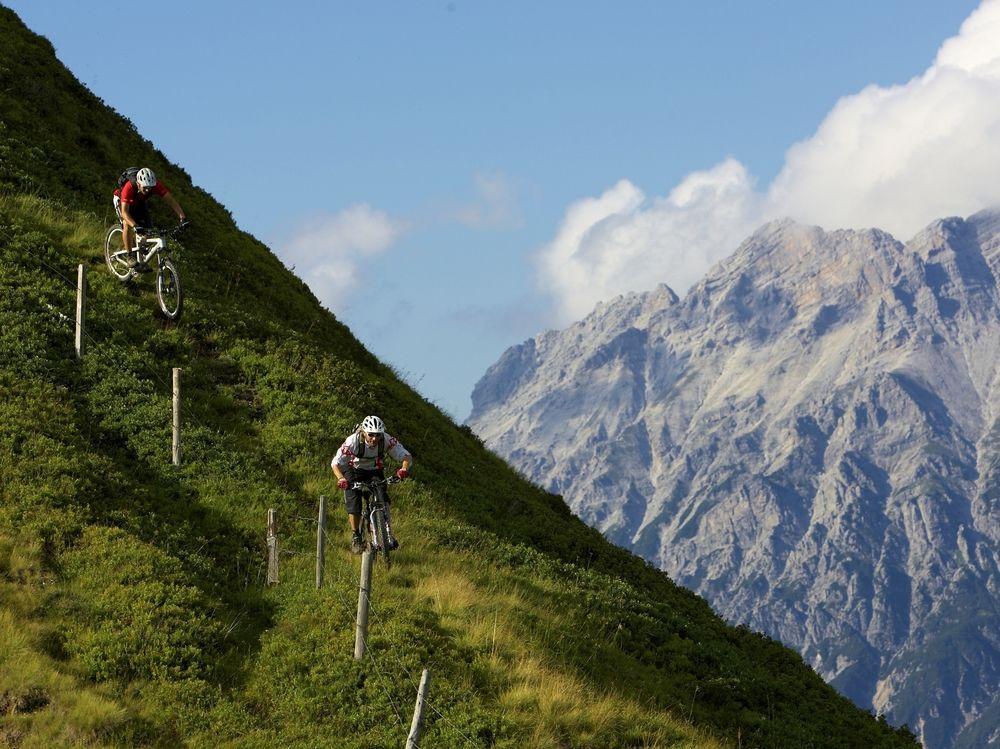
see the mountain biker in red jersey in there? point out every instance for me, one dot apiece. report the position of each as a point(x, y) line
point(360, 459)
point(130, 204)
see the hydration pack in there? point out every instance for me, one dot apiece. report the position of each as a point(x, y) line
point(128, 176)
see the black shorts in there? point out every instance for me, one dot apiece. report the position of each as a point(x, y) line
point(352, 497)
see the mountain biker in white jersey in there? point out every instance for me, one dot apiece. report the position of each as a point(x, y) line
point(360, 459)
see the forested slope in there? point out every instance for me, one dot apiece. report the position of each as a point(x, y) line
point(132, 605)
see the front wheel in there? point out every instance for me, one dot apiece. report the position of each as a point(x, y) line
point(116, 255)
point(168, 290)
point(381, 534)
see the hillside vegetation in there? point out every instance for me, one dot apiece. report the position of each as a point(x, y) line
point(132, 604)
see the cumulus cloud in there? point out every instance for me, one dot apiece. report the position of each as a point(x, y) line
point(894, 157)
point(623, 241)
point(901, 156)
point(328, 251)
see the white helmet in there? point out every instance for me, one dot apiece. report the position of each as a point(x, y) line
point(372, 425)
point(145, 177)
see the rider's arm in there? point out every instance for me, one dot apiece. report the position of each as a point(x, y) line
point(335, 465)
point(338, 464)
point(128, 226)
point(172, 202)
point(128, 223)
point(400, 453)
point(126, 196)
point(345, 454)
point(126, 216)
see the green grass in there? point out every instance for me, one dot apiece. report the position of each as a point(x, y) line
point(134, 611)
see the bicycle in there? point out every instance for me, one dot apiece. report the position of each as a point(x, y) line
point(154, 242)
point(377, 514)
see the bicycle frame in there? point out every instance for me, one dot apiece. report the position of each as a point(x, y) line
point(149, 243)
point(155, 245)
point(373, 503)
point(155, 241)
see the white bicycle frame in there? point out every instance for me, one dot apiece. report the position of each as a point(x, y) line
point(153, 245)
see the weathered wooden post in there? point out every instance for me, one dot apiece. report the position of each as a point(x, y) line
point(320, 542)
point(413, 740)
point(177, 416)
point(272, 547)
point(81, 308)
point(364, 591)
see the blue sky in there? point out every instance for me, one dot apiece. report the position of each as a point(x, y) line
point(423, 165)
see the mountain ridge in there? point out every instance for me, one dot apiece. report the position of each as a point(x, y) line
point(787, 425)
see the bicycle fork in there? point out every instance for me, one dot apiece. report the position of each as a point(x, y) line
point(372, 524)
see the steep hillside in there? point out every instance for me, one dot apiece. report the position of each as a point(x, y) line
point(809, 440)
point(132, 605)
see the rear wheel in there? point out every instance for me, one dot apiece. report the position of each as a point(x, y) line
point(116, 255)
point(381, 534)
point(168, 290)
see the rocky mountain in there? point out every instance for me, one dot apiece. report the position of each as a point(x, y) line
point(811, 440)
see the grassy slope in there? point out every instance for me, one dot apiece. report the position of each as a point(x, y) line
point(132, 605)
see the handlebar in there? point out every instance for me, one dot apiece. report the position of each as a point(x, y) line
point(161, 231)
point(371, 482)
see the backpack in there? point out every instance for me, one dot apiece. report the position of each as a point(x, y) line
point(128, 176)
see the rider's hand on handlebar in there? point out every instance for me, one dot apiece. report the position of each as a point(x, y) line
point(342, 484)
point(402, 473)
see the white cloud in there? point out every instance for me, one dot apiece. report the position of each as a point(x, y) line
point(328, 251)
point(621, 241)
point(901, 156)
point(894, 157)
point(495, 206)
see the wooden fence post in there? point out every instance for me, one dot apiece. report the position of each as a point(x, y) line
point(177, 417)
point(320, 542)
point(413, 740)
point(272, 547)
point(364, 591)
point(81, 308)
